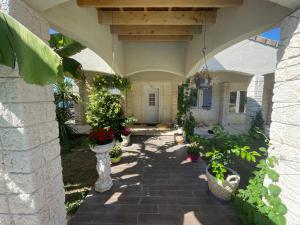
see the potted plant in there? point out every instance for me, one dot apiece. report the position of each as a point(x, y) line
point(193, 152)
point(222, 180)
point(126, 134)
point(116, 154)
point(179, 136)
point(104, 115)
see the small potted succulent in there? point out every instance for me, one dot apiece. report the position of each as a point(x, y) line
point(116, 154)
point(193, 152)
point(126, 134)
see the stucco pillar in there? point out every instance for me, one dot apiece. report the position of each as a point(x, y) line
point(31, 184)
point(285, 126)
point(255, 94)
point(224, 107)
point(80, 107)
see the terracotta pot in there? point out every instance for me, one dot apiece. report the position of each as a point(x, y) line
point(116, 160)
point(223, 190)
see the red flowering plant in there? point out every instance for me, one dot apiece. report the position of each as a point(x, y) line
point(102, 136)
point(126, 131)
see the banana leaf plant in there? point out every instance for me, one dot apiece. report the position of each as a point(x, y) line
point(37, 62)
point(66, 47)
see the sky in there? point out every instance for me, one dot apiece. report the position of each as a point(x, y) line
point(273, 34)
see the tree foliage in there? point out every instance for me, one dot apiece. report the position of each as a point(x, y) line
point(37, 63)
point(66, 47)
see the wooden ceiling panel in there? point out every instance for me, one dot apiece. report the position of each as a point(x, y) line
point(153, 38)
point(157, 18)
point(156, 30)
point(160, 3)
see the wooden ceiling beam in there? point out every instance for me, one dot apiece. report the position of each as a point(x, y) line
point(156, 30)
point(158, 17)
point(160, 3)
point(155, 38)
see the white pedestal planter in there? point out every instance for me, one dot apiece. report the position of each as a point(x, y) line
point(104, 182)
point(126, 140)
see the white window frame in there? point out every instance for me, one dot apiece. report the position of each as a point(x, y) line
point(237, 102)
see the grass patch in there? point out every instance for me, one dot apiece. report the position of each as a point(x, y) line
point(79, 175)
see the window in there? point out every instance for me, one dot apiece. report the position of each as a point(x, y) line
point(207, 98)
point(237, 101)
point(201, 98)
point(152, 99)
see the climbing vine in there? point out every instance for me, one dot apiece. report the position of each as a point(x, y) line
point(184, 117)
point(103, 81)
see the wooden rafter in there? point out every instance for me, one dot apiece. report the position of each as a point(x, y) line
point(158, 18)
point(160, 3)
point(156, 30)
point(154, 38)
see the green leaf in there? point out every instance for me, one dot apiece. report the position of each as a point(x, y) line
point(274, 190)
point(37, 62)
point(273, 175)
point(72, 67)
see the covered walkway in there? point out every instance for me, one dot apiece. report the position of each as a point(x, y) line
point(155, 184)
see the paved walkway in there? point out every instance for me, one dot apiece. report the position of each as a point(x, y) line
point(155, 185)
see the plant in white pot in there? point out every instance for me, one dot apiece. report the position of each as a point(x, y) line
point(105, 116)
point(126, 134)
point(222, 180)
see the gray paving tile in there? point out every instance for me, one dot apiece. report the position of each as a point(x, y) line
point(153, 187)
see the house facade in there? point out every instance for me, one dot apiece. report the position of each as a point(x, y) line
point(152, 98)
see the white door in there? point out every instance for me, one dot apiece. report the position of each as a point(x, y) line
point(151, 105)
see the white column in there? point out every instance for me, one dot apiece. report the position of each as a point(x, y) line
point(31, 184)
point(255, 94)
point(224, 108)
point(285, 126)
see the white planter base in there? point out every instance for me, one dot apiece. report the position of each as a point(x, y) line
point(104, 182)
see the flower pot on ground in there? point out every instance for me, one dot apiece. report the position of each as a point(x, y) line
point(223, 189)
point(193, 152)
point(222, 180)
point(116, 154)
point(126, 134)
point(102, 143)
point(179, 139)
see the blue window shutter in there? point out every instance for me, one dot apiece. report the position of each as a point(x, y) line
point(207, 98)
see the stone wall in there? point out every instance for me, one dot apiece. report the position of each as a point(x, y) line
point(31, 185)
point(285, 126)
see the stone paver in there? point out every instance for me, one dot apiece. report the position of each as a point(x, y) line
point(155, 185)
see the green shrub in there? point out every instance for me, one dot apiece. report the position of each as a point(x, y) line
point(257, 129)
point(258, 204)
point(193, 150)
point(116, 151)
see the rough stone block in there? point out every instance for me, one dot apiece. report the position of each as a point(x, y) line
point(287, 113)
point(23, 161)
point(3, 204)
point(27, 203)
point(287, 92)
point(287, 74)
point(5, 219)
point(283, 133)
point(18, 139)
point(25, 183)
